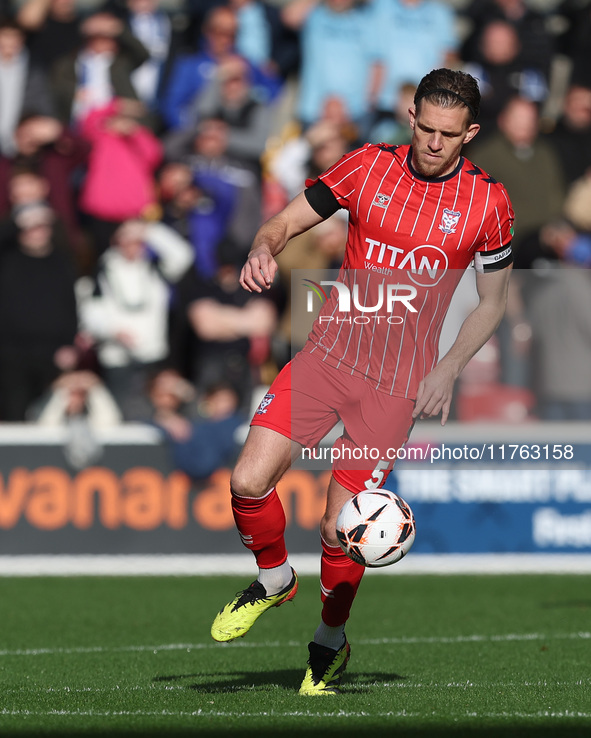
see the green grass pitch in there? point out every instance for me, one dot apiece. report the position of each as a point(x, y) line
point(431, 656)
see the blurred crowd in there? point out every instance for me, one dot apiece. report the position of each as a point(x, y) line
point(143, 143)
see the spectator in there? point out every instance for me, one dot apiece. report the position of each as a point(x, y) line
point(53, 27)
point(526, 164)
point(206, 153)
point(531, 27)
point(503, 73)
point(316, 251)
point(392, 127)
point(45, 148)
point(37, 312)
point(577, 208)
point(26, 189)
point(152, 25)
point(566, 239)
point(111, 195)
point(340, 58)
point(575, 39)
point(203, 444)
point(229, 96)
point(23, 86)
point(99, 71)
point(416, 36)
point(571, 136)
point(305, 154)
point(232, 330)
point(265, 39)
point(191, 71)
point(79, 402)
point(195, 14)
point(559, 310)
point(199, 208)
point(263, 36)
point(560, 240)
point(126, 307)
point(529, 168)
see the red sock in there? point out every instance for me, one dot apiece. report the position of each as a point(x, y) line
point(339, 581)
point(261, 524)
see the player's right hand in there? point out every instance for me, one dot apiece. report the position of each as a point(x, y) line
point(259, 271)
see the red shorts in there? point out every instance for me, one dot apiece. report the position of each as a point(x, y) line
point(309, 397)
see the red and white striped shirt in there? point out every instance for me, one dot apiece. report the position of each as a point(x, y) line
point(410, 239)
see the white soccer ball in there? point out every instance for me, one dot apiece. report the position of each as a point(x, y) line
point(376, 528)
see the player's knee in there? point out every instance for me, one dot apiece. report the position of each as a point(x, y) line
point(241, 485)
point(328, 531)
point(244, 483)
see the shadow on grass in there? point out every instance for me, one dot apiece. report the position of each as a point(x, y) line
point(216, 683)
point(288, 679)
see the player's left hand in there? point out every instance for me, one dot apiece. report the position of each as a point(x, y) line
point(435, 393)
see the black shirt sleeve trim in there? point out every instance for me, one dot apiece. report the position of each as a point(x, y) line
point(321, 199)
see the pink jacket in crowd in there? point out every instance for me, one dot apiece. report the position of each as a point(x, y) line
point(119, 183)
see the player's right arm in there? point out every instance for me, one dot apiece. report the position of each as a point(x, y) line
point(322, 198)
point(271, 238)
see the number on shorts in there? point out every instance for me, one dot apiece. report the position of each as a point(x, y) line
point(378, 475)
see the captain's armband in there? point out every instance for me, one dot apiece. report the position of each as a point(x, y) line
point(493, 261)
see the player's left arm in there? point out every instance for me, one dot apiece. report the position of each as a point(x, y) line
point(435, 390)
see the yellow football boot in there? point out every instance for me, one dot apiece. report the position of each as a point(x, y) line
point(238, 616)
point(325, 668)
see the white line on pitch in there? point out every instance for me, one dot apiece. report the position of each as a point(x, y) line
point(507, 637)
point(294, 713)
point(242, 563)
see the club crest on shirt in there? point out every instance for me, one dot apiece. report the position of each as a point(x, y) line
point(449, 220)
point(264, 404)
point(381, 200)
